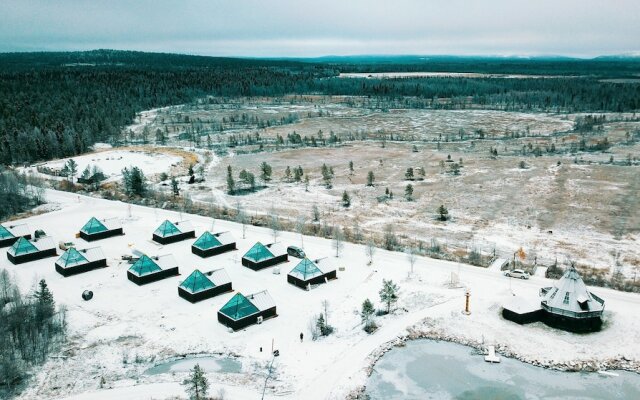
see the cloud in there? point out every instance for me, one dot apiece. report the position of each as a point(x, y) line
point(313, 28)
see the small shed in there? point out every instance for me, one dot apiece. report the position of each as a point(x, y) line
point(96, 229)
point(151, 269)
point(308, 273)
point(260, 256)
point(24, 250)
point(171, 232)
point(210, 244)
point(200, 286)
point(242, 311)
point(9, 233)
point(74, 261)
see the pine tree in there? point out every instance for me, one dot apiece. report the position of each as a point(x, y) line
point(44, 298)
point(196, 385)
point(443, 213)
point(72, 167)
point(265, 172)
point(409, 174)
point(231, 183)
point(389, 293)
point(174, 186)
point(370, 178)
point(287, 174)
point(408, 192)
point(346, 200)
point(366, 313)
point(350, 167)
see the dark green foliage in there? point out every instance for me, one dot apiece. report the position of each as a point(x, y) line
point(231, 183)
point(443, 213)
point(135, 183)
point(265, 172)
point(346, 199)
point(196, 385)
point(174, 186)
point(408, 192)
point(18, 194)
point(371, 178)
point(30, 328)
point(389, 293)
point(366, 315)
point(324, 329)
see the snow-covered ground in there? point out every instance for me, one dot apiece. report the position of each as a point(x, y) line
point(126, 329)
point(111, 162)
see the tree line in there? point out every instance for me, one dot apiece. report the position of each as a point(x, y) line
point(59, 104)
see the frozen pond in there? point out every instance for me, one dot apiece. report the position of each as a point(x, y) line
point(427, 369)
point(209, 364)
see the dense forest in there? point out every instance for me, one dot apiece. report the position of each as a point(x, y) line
point(59, 104)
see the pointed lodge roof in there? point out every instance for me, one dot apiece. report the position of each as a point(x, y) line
point(207, 241)
point(197, 282)
point(167, 228)
point(71, 257)
point(93, 226)
point(144, 266)
point(4, 233)
point(570, 293)
point(23, 246)
point(258, 253)
point(239, 307)
point(305, 270)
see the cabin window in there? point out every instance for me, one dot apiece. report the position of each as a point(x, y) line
point(566, 298)
point(555, 290)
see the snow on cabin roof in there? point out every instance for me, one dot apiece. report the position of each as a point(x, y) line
point(219, 276)
point(262, 300)
point(15, 230)
point(225, 237)
point(112, 223)
point(570, 293)
point(44, 243)
point(184, 226)
point(277, 249)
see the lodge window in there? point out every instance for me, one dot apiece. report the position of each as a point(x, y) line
point(566, 298)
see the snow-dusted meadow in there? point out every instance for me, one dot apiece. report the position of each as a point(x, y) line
point(112, 162)
point(126, 329)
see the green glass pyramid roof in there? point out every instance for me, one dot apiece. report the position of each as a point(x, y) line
point(23, 246)
point(4, 233)
point(197, 282)
point(306, 269)
point(258, 252)
point(207, 241)
point(93, 226)
point(238, 307)
point(71, 257)
point(144, 266)
point(167, 228)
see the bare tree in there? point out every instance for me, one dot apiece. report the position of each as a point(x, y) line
point(274, 224)
point(338, 239)
point(370, 250)
point(411, 257)
point(241, 218)
point(300, 225)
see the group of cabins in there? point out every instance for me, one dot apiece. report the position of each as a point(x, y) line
point(239, 312)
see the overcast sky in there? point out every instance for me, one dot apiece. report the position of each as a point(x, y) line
point(325, 27)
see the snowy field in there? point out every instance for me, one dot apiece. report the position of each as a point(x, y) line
point(127, 329)
point(111, 162)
